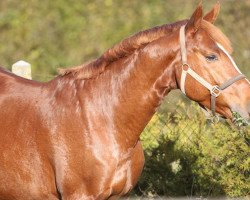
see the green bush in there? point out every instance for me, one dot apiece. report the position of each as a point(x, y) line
point(62, 33)
point(186, 155)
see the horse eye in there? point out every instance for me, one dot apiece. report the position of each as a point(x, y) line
point(211, 58)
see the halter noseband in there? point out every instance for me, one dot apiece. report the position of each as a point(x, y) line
point(215, 90)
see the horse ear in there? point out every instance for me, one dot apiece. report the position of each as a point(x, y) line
point(195, 21)
point(212, 15)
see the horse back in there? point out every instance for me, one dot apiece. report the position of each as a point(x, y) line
point(24, 164)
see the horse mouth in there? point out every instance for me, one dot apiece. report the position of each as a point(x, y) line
point(236, 118)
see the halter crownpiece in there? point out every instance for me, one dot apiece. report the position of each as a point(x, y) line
point(215, 90)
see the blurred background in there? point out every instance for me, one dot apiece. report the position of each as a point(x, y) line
point(201, 159)
point(63, 33)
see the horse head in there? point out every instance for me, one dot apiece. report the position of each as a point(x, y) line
point(206, 72)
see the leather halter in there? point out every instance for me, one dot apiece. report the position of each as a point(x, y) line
point(215, 90)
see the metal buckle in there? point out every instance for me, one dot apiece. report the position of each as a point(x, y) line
point(215, 91)
point(185, 67)
point(215, 119)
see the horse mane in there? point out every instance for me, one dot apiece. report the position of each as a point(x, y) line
point(125, 48)
point(217, 35)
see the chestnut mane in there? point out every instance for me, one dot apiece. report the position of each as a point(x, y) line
point(127, 46)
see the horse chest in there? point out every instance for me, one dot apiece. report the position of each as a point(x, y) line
point(127, 171)
point(122, 175)
point(112, 177)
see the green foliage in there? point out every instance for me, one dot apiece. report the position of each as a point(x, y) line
point(188, 156)
point(60, 33)
point(238, 120)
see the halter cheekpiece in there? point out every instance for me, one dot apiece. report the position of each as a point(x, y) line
point(215, 90)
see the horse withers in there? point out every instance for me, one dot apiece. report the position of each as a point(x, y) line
point(77, 136)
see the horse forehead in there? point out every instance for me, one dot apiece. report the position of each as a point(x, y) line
point(202, 37)
point(201, 40)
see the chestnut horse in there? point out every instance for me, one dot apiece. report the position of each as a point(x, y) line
point(77, 136)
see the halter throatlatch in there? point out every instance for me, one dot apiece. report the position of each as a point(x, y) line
point(215, 90)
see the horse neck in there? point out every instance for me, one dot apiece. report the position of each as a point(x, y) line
point(118, 104)
point(125, 97)
point(151, 78)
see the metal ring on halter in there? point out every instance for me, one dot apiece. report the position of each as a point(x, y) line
point(185, 65)
point(215, 119)
point(215, 91)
